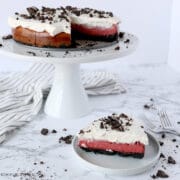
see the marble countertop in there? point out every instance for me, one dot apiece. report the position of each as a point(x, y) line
point(29, 155)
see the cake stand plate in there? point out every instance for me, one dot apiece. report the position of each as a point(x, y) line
point(67, 98)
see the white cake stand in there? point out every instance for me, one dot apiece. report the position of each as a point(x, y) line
point(67, 98)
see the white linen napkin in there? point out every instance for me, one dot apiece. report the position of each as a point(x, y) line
point(22, 94)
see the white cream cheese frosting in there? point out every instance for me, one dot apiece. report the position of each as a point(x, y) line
point(95, 21)
point(131, 133)
point(92, 17)
point(54, 26)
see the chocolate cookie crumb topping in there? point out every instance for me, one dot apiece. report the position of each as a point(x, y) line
point(161, 143)
point(171, 160)
point(101, 125)
point(64, 129)
point(32, 10)
point(1, 45)
point(116, 122)
point(66, 139)
point(44, 131)
point(173, 140)
point(81, 132)
point(7, 37)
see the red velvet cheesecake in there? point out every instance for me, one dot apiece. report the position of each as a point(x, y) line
point(115, 134)
point(93, 24)
point(59, 27)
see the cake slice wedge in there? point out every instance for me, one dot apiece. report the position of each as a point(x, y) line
point(115, 134)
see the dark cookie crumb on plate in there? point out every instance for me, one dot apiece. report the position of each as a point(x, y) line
point(171, 160)
point(9, 36)
point(162, 155)
point(162, 174)
point(53, 131)
point(117, 48)
point(67, 139)
point(44, 131)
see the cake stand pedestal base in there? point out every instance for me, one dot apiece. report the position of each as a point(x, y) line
point(67, 98)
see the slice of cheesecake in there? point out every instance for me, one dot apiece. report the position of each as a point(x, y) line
point(114, 134)
point(93, 24)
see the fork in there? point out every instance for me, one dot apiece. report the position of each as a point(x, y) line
point(156, 129)
point(166, 123)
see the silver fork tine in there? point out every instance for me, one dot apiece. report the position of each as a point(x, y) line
point(161, 119)
point(167, 119)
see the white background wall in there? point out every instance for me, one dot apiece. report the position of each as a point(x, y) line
point(148, 19)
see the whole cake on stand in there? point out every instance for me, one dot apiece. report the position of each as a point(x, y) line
point(69, 36)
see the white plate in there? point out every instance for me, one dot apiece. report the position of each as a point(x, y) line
point(115, 164)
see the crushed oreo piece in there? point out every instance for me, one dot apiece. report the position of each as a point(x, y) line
point(53, 131)
point(117, 48)
point(127, 41)
point(177, 146)
point(40, 174)
point(44, 131)
point(142, 127)
point(67, 139)
point(162, 174)
point(65, 170)
point(178, 122)
point(31, 53)
point(161, 143)
point(171, 160)
point(9, 36)
point(32, 10)
point(122, 115)
point(153, 176)
point(81, 132)
point(41, 162)
point(1, 45)
point(101, 125)
point(162, 155)
point(64, 129)
point(163, 135)
point(121, 35)
point(147, 106)
point(173, 140)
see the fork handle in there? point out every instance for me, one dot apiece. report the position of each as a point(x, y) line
point(172, 132)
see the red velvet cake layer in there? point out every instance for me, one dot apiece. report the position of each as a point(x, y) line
point(116, 147)
point(95, 31)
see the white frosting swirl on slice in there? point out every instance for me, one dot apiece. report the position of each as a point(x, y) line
point(131, 134)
